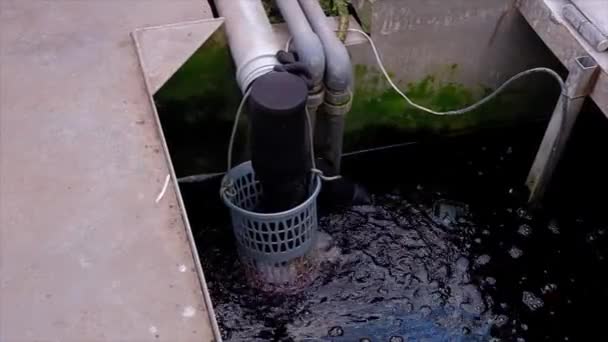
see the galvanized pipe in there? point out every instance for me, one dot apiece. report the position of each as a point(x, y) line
point(251, 39)
point(579, 85)
point(592, 34)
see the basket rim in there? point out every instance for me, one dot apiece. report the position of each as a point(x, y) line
point(254, 214)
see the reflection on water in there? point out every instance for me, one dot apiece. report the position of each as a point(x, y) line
point(446, 252)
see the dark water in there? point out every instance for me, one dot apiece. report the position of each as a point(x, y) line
point(448, 250)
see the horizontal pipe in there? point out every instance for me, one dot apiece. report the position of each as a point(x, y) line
point(586, 28)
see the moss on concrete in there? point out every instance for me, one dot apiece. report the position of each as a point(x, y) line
point(380, 115)
point(197, 106)
point(208, 73)
point(275, 15)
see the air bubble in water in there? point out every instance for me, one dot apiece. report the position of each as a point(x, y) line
point(553, 227)
point(515, 252)
point(483, 259)
point(549, 288)
point(532, 302)
point(395, 339)
point(523, 213)
point(500, 320)
point(524, 230)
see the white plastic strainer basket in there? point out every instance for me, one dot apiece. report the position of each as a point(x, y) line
point(269, 238)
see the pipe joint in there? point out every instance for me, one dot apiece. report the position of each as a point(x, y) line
point(337, 109)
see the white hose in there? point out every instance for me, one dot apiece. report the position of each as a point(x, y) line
point(235, 126)
point(405, 97)
point(466, 109)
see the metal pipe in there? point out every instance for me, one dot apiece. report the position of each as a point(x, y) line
point(579, 85)
point(338, 69)
point(251, 39)
point(592, 34)
point(307, 43)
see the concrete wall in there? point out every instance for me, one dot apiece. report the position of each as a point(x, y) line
point(486, 41)
point(443, 53)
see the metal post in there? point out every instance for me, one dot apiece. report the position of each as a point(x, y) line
point(579, 85)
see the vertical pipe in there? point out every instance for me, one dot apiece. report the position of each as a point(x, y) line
point(279, 140)
point(329, 130)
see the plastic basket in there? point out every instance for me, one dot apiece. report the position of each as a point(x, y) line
point(268, 242)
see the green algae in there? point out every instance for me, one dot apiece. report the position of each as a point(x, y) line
point(380, 115)
point(197, 107)
point(274, 15)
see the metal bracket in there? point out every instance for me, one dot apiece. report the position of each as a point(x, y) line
point(579, 85)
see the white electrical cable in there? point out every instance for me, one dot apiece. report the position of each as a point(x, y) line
point(312, 152)
point(463, 110)
point(396, 88)
point(288, 43)
point(227, 184)
point(235, 126)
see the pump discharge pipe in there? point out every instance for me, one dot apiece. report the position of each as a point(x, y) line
point(329, 130)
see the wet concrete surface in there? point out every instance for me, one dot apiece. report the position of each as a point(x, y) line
point(447, 251)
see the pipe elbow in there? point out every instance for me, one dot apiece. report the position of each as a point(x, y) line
point(306, 42)
point(339, 73)
point(310, 52)
point(339, 70)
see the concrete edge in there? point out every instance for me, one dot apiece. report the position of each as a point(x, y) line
point(184, 214)
point(564, 43)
